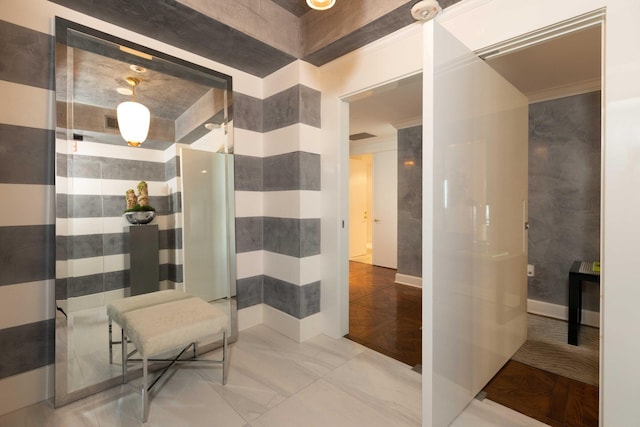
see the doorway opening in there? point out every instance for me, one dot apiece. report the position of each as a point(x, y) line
point(561, 76)
point(385, 197)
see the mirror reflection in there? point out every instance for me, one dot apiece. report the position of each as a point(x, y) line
point(144, 192)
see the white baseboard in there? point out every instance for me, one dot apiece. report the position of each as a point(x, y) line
point(556, 311)
point(297, 329)
point(250, 316)
point(405, 279)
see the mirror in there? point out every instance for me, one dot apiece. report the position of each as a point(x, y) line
point(181, 175)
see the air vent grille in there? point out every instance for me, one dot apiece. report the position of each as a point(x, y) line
point(358, 136)
point(111, 122)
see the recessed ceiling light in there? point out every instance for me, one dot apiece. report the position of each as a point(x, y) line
point(137, 69)
point(321, 4)
point(211, 126)
point(124, 91)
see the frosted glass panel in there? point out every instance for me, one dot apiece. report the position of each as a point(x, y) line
point(479, 209)
point(208, 223)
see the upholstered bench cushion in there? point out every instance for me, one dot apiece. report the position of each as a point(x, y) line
point(172, 325)
point(117, 308)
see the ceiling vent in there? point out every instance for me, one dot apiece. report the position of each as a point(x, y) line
point(359, 136)
point(111, 122)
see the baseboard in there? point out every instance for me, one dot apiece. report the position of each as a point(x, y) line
point(26, 388)
point(250, 316)
point(556, 311)
point(405, 279)
point(297, 329)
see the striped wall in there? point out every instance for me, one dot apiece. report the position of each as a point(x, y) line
point(27, 232)
point(276, 139)
point(283, 176)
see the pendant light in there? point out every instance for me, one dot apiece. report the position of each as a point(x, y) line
point(321, 4)
point(133, 118)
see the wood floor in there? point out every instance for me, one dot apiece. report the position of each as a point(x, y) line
point(387, 317)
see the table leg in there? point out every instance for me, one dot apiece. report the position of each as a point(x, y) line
point(575, 297)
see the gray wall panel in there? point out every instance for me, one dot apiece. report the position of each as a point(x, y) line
point(297, 301)
point(31, 152)
point(250, 291)
point(26, 347)
point(249, 234)
point(410, 201)
point(293, 237)
point(26, 56)
point(248, 173)
point(564, 194)
point(27, 254)
point(247, 112)
point(282, 109)
point(310, 100)
point(292, 171)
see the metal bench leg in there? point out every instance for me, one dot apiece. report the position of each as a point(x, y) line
point(124, 357)
point(224, 358)
point(145, 391)
point(110, 342)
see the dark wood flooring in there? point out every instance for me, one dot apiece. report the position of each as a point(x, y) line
point(386, 317)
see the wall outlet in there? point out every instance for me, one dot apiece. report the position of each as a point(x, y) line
point(531, 270)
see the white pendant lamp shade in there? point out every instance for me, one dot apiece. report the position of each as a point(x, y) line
point(321, 4)
point(133, 120)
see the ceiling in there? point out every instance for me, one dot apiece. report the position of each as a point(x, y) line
point(297, 7)
point(563, 66)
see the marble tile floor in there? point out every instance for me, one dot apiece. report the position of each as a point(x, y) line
point(273, 381)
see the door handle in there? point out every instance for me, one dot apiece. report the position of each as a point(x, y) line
point(376, 220)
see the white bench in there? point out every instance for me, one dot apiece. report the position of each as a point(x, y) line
point(174, 325)
point(117, 308)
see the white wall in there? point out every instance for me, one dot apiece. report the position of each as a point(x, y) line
point(392, 58)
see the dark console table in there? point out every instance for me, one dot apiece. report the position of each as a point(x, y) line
point(581, 271)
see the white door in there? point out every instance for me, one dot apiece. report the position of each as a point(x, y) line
point(475, 253)
point(357, 207)
point(385, 209)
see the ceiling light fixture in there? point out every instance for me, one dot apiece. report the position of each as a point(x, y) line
point(321, 4)
point(133, 118)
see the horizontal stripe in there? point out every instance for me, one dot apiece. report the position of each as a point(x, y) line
point(26, 254)
point(112, 168)
point(26, 388)
point(247, 112)
point(96, 245)
point(249, 264)
point(249, 234)
point(292, 171)
point(35, 349)
point(26, 56)
point(247, 142)
point(96, 150)
point(26, 106)
point(294, 237)
point(297, 104)
point(111, 187)
point(297, 301)
point(95, 206)
point(25, 303)
point(102, 264)
point(250, 291)
point(248, 173)
point(30, 151)
point(92, 301)
point(292, 204)
point(41, 204)
point(298, 271)
point(297, 137)
point(82, 226)
point(249, 203)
